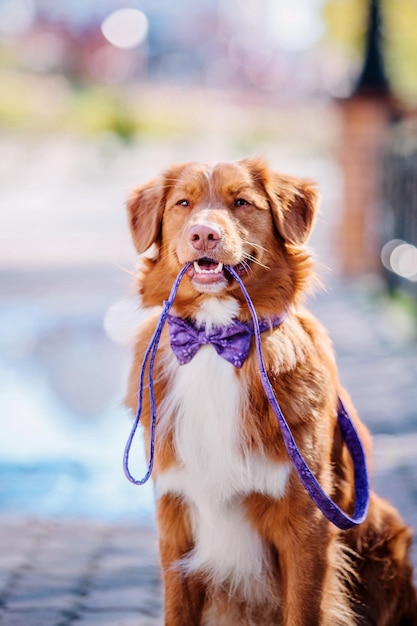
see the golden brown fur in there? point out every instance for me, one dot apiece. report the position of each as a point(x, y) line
point(317, 574)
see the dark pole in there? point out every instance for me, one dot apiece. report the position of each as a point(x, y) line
point(373, 80)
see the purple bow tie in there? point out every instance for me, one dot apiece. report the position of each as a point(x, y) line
point(230, 342)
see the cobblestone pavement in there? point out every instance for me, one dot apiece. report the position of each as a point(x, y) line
point(76, 572)
point(59, 573)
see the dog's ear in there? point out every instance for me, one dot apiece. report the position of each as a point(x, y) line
point(293, 200)
point(145, 208)
point(294, 203)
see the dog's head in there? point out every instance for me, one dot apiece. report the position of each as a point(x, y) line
point(238, 214)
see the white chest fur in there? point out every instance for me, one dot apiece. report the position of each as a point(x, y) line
point(215, 473)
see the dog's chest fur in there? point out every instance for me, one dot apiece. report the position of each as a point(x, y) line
point(215, 471)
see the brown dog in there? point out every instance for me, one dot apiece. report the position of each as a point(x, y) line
point(241, 542)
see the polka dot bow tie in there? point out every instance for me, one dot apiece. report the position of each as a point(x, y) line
point(230, 342)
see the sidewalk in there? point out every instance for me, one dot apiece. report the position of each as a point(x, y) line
point(75, 572)
point(59, 573)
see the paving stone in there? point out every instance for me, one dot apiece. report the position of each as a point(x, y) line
point(118, 618)
point(42, 617)
point(143, 596)
point(44, 592)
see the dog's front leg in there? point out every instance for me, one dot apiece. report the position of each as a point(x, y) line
point(303, 543)
point(303, 572)
point(184, 596)
point(314, 593)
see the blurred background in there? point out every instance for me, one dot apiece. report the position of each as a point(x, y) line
point(98, 96)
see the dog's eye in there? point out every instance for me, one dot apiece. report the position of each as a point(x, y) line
point(182, 202)
point(241, 202)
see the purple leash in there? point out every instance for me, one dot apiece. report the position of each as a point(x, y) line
point(326, 505)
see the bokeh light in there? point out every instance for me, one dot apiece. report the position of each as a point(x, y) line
point(16, 17)
point(404, 261)
point(297, 27)
point(400, 257)
point(121, 320)
point(125, 28)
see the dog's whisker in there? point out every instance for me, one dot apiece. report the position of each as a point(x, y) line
point(246, 265)
point(254, 261)
point(257, 246)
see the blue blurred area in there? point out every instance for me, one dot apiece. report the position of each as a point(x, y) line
point(62, 421)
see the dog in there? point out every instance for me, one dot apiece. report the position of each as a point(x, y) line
point(240, 540)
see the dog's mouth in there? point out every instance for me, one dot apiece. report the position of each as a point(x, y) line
point(206, 271)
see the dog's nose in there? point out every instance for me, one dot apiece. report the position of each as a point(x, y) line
point(204, 237)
